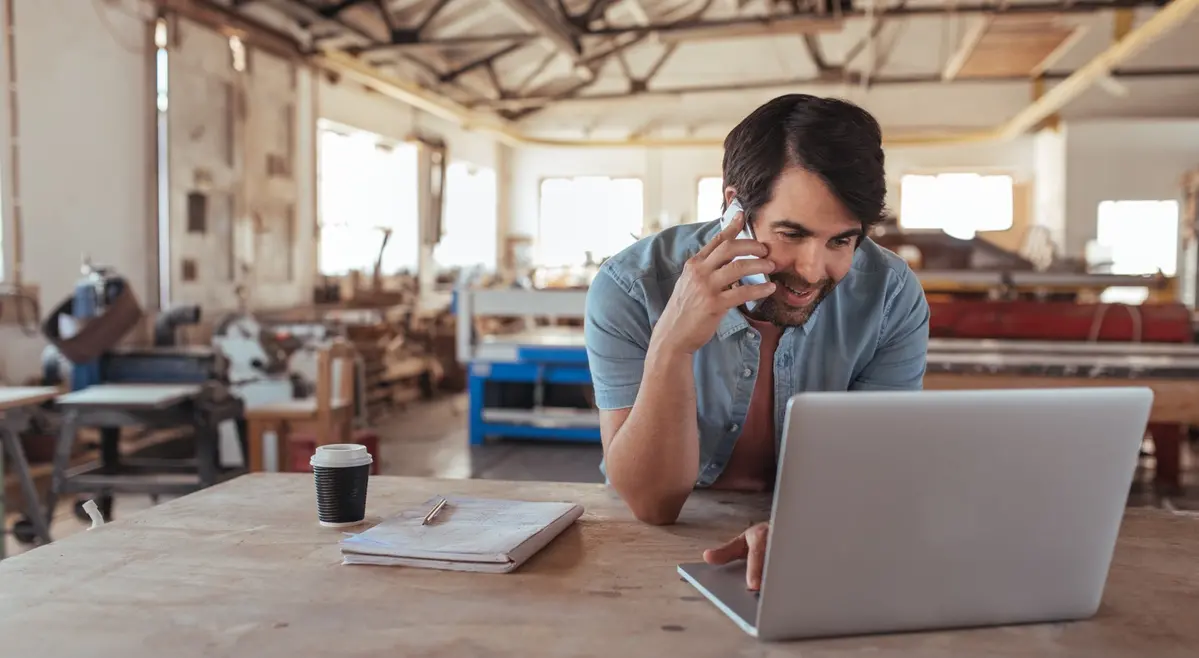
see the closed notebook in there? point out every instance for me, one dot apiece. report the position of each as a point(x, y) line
point(468, 534)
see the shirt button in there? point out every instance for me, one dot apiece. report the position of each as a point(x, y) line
point(734, 427)
point(747, 373)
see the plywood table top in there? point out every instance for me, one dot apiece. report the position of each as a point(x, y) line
point(243, 569)
point(124, 396)
point(12, 397)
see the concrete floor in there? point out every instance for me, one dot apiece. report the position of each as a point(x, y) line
point(429, 440)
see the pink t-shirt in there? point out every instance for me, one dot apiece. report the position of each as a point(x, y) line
point(752, 464)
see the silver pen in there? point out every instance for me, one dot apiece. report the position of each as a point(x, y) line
point(434, 512)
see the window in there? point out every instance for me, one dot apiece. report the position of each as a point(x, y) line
point(468, 232)
point(1135, 237)
point(960, 204)
point(366, 185)
point(592, 214)
point(709, 197)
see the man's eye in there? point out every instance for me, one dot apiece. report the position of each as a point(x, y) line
point(842, 242)
point(790, 235)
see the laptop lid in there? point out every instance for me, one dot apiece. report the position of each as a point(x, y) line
point(936, 509)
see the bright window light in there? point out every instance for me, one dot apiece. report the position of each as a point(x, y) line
point(961, 204)
point(468, 237)
point(1135, 237)
point(588, 214)
point(364, 185)
point(709, 197)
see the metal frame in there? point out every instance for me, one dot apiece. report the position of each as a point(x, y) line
point(12, 422)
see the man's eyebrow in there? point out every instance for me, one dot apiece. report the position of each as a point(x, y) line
point(794, 226)
point(806, 232)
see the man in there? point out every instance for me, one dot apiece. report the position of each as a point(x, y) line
point(692, 387)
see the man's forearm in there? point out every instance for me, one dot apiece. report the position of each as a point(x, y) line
point(653, 460)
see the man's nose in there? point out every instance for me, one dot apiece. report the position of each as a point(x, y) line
point(809, 262)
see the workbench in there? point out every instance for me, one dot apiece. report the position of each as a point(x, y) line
point(14, 404)
point(540, 358)
point(152, 406)
point(244, 569)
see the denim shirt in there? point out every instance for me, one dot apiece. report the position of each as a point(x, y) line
point(870, 333)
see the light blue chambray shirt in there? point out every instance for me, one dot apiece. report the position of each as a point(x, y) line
point(871, 332)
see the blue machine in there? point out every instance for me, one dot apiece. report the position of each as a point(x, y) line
point(84, 349)
point(94, 291)
point(533, 384)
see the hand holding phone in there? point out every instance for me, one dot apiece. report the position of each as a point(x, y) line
point(747, 233)
point(729, 271)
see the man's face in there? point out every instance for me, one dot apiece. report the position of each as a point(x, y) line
point(811, 238)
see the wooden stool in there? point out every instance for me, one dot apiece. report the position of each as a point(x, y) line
point(330, 411)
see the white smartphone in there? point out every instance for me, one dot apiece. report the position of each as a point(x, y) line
point(747, 233)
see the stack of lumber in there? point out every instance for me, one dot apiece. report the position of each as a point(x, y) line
point(397, 370)
point(435, 332)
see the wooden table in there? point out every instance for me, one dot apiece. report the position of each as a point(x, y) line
point(14, 400)
point(243, 569)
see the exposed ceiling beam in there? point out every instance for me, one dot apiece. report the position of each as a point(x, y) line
point(432, 13)
point(482, 61)
point(966, 47)
point(834, 79)
point(456, 41)
point(1166, 20)
point(551, 24)
point(592, 62)
point(812, 44)
point(335, 9)
point(431, 70)
point(536, 71)
point(596, 9)
point(565, 35)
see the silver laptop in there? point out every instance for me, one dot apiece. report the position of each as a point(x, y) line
point(923, 510)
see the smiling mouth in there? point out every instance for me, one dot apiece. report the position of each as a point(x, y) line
point(798, 297)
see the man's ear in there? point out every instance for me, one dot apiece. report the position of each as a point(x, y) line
point(730, 193)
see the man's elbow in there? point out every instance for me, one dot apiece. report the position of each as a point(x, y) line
point(656, 508)
point(656, 515)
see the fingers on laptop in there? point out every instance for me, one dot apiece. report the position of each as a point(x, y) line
point(736, 549)
point(749, 546)
point(755, 538)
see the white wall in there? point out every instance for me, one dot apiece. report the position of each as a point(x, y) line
point(355, 106)
point(1123, 160)
point(1049, 191)
point(670, 175)
point(86, 162)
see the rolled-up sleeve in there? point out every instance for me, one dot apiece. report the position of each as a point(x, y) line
point(617, 331)
point(902, 356)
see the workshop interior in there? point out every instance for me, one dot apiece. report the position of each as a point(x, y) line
point(237, 230)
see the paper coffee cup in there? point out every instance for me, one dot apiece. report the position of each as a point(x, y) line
point(341, 472)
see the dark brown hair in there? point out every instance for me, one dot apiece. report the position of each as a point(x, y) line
point(834, 139)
